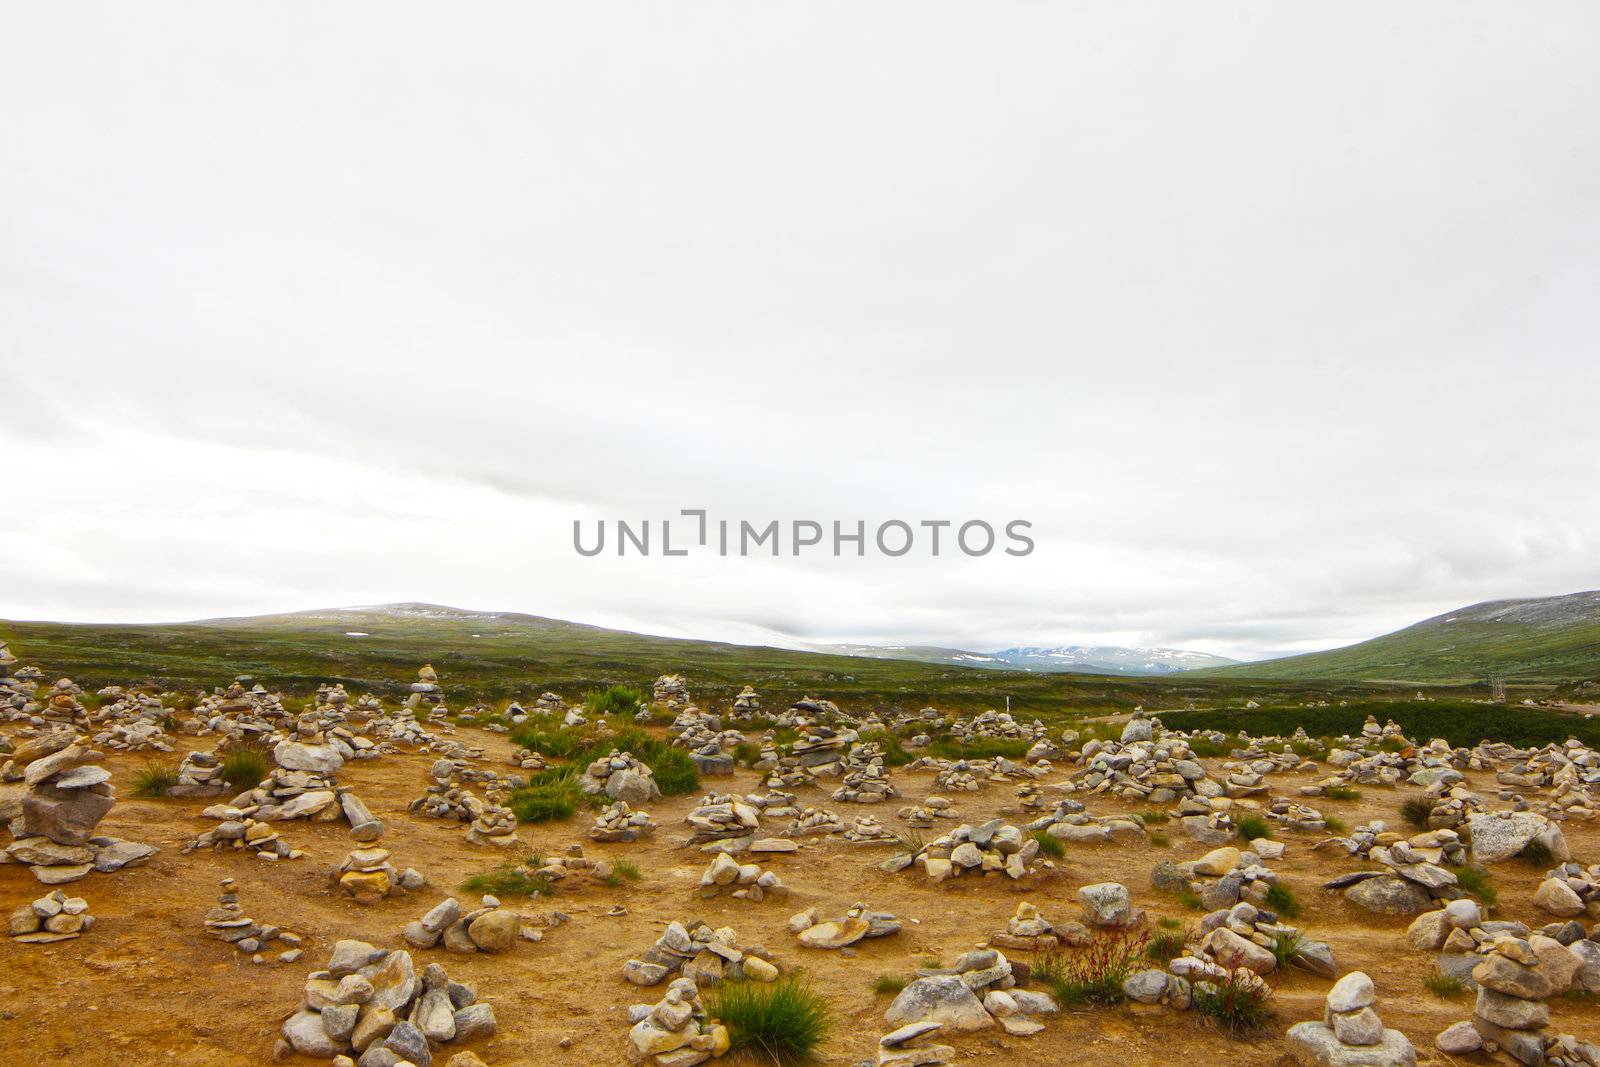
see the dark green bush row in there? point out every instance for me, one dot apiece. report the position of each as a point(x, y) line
point(1460, 722)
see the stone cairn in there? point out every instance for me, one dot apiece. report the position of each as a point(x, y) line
point(199, 775)
point(620, 823)
point(1567, 890)
point(701, 954)
point(1070, 822)
point(620, 776)
point(745, 881)
point(366, 876)
point(1029, 931)
point(65, 794)
point(425, 690)
point(854, 925)
point(868, 784)
point(487, 928)
point(370, 998)
point(814, 822)
point(1413, 877)
point(1514, 977)
point(720, 816)
point(53, 917)
point(1350, 1031)
point(1224, 876)
point(994, 847)
point(1245, 936)
point(866, 830)
point(747, 703)
point(671, 690)
point(675, 1031)
point(977, 992)
point(922, 816)
point(228, 922)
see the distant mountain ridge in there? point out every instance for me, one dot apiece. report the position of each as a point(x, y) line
point(1061, 659)
point(1532, 639)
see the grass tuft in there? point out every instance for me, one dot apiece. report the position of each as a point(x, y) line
point(888, 984)
point(1444, 987)
point(1094, 973)
point(1049, 847)
point(1475, 880)
point(245, 767)
point(784, 1021)
point(154, 780)
point(1281, 899)
point(1252, 827)
point(510, 880)
point(1286, 946)
point(628, 869)
point(1342, 792)
point(1536, 854)
point(1415, 811)
point(1238, 1006)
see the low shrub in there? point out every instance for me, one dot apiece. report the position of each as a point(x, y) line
point(1341, 792)
point(1238, 1005)
point(511, 880)
point(1536, 854)
point(1286, 946)
point(1094, 973)
point(888, 984)
point(784, 1021)
point(1166, 944)
point(614, 700)
point(1335, 824)
point(1154, 817)
point(1415, 811)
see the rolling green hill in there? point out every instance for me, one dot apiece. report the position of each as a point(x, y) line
point(498, 655)
point(1547, 639)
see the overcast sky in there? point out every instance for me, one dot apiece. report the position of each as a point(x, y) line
point(1278, 320)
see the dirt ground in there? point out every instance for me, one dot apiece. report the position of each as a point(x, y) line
point(146, 987)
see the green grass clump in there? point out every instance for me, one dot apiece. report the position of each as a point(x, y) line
point(984, 748)
point(1252, 826)
point(1416, 811)
point(746, 753)
point(888, 984)
point(1167, 922)
point(615, 700)
point(153, 781)
point(1460, 721)
point(245, 767)
point(510, 880)
point(784, 1021)
point(1049, 847)
point(1281, 900)
point(1475, 880)
point(1341, 792)
point(1286, 946)
point(551, 802)
point(1161, 840)
point(628, 869)
point(1154, 817)
point(1166, 945)
point(1335, 824)
point(1238, 1006)
point(1444, 987)
point(1202, 746)
point(894, 753)
point(1094, 973)
point(1191, 900)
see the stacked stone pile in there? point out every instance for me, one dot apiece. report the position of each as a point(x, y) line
point(821, 750)
point(923, 815)
point(199, 775)
point(371, 1003)
point(425, 690)
point(774, 804)
point(1144, 771)
point(675, 1031)
point(227, 922)
point(1070, 822)
point(722, 815)
point(866, 785)
point(912, 1046)
point(975, 994)
point(959, 776)
point(747, 702)
point(527, 759)
point(1351, 1033)
point(671, 690)
point(366, 876)
point(701, 954)
point(1292, 815)
point(856, 924)
point(53, 917)
point(994, 725)
point(486, 928)
point(1222, 877)
point(621, 823)
point(1568, 890)
point(620, 776)
point(994, 847)
point(1514, 979)
point(745, 881)
point(62, 796)
point(1030, 931)
point(814, 822)
point(865, 830)
point(245, 834)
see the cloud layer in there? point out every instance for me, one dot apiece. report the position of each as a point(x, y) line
point(1276, 320)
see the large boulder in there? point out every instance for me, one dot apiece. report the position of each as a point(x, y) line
point(1388, 895)
point(944, 999)
point(1498, 836)
point(299, 756)
point(65, 816)
point(1314, 1043)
